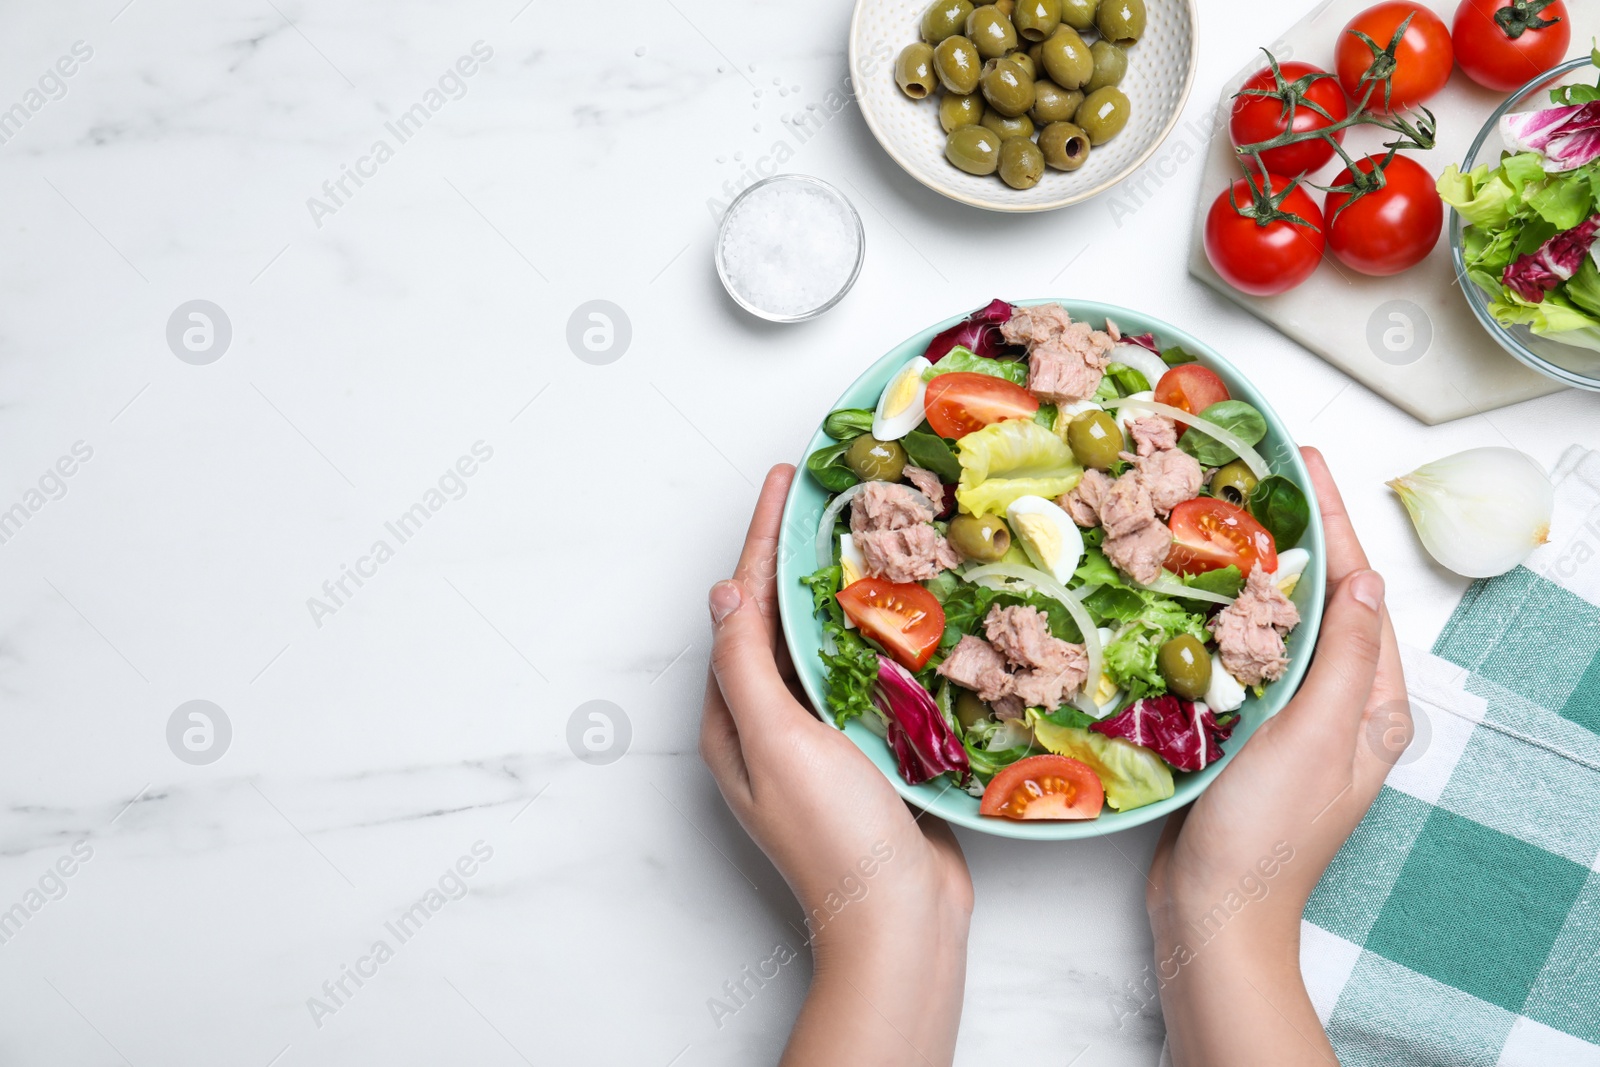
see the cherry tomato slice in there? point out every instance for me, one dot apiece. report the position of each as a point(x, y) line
point(1044, 787)
point(903, 617)
point(961, 402)
point(1209, 534)
point(1191, 387)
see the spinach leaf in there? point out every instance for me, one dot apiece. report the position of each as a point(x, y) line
point(964, 608)
point(1067, 715)
point(827, 467)
point(1281, 506)
point(1233, 415)
point(1225, 581)
point(1177, 356)
point(1127, 380)
point(1111, 604)
point(929, 451)
point(847, 423)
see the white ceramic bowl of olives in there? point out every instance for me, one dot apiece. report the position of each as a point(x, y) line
point(1022, 105)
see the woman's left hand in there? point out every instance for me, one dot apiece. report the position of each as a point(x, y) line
point(886, 893)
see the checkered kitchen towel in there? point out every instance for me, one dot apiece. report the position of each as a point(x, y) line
point(1460, 925)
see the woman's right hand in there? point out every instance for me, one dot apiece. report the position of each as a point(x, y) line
point(1232, 873)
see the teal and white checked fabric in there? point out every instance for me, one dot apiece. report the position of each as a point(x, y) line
point(1460, 924)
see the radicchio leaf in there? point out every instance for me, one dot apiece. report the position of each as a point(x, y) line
point(1557, 260)
point(1186, 735)
point(978, 332)
point(1144, 340)
point(1567, 137)
point(924, 744)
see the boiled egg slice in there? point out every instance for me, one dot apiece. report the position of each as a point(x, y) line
point(1106, 693)
point(853, 566)
point(1047, 534)
point(900, 408)
point(1292, 563)
point(1225, 693)
point(1126, 415)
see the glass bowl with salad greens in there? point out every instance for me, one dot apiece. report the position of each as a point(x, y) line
point(1526, 218)
point(1049, 564)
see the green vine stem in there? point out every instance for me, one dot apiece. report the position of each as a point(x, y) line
point(1418, 131)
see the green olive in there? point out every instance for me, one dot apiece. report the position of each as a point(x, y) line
point(1095, 438)
point(1008, 126)
point(1234, 483)
point(1186, 665)
point(957, 110)
point(944, 18)
point(1021, 162)
point(974, 149)
point(1026, 62)
point(1103, 114)
point(914, 72)
point(1051, 103)
point(984, 538)
point(1005, 7)
point(873, 460)
point(1065, 147)
point(1036, 19)
point(1006, 86)
point(1110, 64)
point(957, 61)
point(991, 32)
point(970, 709)
point(1120, 21)
point(1036, 53)
point(1079, 14)
point(1067, 59)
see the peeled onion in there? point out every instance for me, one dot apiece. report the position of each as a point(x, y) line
point(1479, 512)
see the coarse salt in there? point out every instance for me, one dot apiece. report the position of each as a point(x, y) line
point(789, 247)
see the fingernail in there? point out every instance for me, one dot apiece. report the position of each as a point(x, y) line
point(725, 600)
point(1367, 587)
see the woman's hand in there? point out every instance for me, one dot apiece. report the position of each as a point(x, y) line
point(1232, 873)
point(886, 893)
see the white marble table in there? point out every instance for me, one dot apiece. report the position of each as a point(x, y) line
point(403, 342)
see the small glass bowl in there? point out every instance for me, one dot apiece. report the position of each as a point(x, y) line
point(1572, 365)
point(722, 236)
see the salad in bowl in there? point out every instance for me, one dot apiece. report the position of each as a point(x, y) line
point(1048, 564)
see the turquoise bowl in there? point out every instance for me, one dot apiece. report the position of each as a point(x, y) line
point(803, 631)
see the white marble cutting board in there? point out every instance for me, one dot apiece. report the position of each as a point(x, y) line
point(1344, 317)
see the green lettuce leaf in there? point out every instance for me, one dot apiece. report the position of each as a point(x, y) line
point(1583, 289)
point(969, 362)
point(1482, 199)
point(1009, 459)
point(1133, 776)
point(1130, 656)
point(853, 665)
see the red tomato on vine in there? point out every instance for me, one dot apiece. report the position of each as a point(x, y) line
point(1417, 64)
point(1262, 107)
point(1501, 44)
